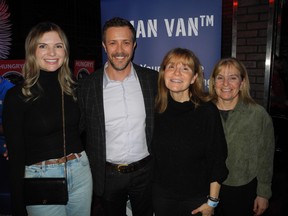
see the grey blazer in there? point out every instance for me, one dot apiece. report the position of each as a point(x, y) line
point(90, 97)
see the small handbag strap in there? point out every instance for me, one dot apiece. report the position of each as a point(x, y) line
point(64, 135)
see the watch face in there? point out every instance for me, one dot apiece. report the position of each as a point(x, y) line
point(14, 77)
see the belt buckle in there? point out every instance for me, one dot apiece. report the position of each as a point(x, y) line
point(121, 165)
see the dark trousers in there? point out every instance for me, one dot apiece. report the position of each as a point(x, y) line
point(135, 186)
point(237, 201)
point(167, 204)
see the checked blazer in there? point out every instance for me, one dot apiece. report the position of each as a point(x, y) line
point(90, 97)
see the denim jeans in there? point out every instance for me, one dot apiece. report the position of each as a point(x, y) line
point(79, 180)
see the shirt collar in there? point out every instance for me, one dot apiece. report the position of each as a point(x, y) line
point(240, 106)
point(106, 79)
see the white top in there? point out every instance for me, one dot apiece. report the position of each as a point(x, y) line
point(124, 119)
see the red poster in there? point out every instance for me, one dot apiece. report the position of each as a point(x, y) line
point(83, 68)
point(12, 70)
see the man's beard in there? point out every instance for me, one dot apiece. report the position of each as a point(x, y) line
point(117, 68)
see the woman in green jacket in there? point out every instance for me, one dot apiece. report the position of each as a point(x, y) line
point(250, 138)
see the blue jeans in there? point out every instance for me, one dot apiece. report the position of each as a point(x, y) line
point(79, 180)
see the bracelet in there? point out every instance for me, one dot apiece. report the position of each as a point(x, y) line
point(214, 199)
point(211, 203)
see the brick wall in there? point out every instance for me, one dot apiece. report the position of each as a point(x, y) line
point(252, 20)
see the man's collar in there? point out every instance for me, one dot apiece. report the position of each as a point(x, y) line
point(106, 78)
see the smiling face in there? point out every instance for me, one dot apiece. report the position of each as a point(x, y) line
point(50, 52)
point(228, 84)
point(119, 46)
point(178, 77)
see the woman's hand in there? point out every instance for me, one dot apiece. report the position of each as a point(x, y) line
point(205, 209)
point(260, 205)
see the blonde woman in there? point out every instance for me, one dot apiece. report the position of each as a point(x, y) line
point(249, 133)
point(32, 119)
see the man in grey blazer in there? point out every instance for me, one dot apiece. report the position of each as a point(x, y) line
point(117, 105)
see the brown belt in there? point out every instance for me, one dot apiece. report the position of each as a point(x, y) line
point(128, 168)
point(60, 160)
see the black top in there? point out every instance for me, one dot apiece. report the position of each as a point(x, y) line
point(34, 131)
point(189, 148)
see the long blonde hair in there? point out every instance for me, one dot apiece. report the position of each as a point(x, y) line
point(196, 89)
point(31, 69)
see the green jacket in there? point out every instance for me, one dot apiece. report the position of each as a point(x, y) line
point(250, 138)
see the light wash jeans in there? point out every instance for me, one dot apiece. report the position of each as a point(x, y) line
point(79, 180)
